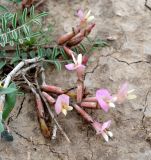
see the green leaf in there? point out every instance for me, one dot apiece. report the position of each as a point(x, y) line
point(4, 38)
point(57, 65)
point(26, 30)
point(55, 53)
point(2, 64)
point(64, 55)
point(84, 50)
point(32, 54)
point(14, 21)
point(4, 22)
point(1, 127)
point(24, 15)
point(10, 102)
point(24, 55)
point(14, 35)
point(21, 41)
point(37, 21)
point(48, 53)
point(7, 90)
point(41, 15)
point(11, 43)
point(32, 12)
point(40, 52)
point(100, 43)
point(3, 9)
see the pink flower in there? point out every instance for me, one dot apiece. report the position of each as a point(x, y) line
point(62, 104)
point(84, 19)
point(103, 129)
point(104, 99)
point(77, 63)
point(123, 94)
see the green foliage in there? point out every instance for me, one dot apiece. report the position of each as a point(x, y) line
point(15, 1)
point(10, 102)
point(3, 9)
point(1, 127)
point(7, 90)
point(16, 28)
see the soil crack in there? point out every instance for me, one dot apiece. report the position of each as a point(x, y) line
point(146, 105)
point(21, 106)
point(135, 62)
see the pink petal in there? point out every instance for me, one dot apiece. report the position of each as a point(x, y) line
point(64, 99)
point(58, 105)
point(123, 89)
point(70, 66)
point(80, 13)
point(122, 93)
point(60, 100)
point(103, 105)
point(106, 125)
point(102, 95)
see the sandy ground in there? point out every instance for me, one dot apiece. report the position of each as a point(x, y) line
point(127, 59)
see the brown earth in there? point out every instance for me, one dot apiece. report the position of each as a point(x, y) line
point(127, 59)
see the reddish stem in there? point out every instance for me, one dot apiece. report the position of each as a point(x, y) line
point(50, 99)
point(84, 114)
point(53, 89)
point(68, 51)
point(39, 105)
point(92, 105)
point(80, 91)
point(90, 99)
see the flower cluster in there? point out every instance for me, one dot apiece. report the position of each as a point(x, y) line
point(103, 98)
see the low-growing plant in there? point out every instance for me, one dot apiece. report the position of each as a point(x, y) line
point(27, 46)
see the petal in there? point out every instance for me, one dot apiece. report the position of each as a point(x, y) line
point(80, 13)
point(64, 111)
point(70, 66)
point(69, 108)
point(110, 134)
point(131, 96)
point(103, 93)
point(103, 105)
point(106, 125)
point(111, 104)
point(105, 136)
point(88, 14)
point(123, 89)
point(89, 19)
point(79, 59)
point(74, 59)
point(130, 91)
point(114, 98)
point(64, 99)
point(58, 105)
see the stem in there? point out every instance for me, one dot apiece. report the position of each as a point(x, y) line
point(49, 110)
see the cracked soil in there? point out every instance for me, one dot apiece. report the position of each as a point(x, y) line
point(128, 58)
